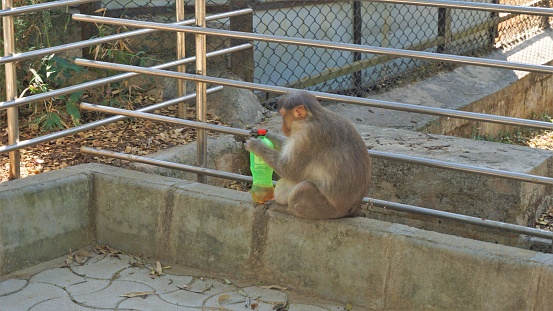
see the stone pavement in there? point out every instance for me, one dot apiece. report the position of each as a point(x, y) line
point(114, 281)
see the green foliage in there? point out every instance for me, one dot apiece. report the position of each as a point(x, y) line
point(35, 76)
point(53, 73)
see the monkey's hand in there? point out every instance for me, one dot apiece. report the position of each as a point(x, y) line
point(254, 145)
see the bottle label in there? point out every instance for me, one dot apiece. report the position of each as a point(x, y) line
point(258, 160)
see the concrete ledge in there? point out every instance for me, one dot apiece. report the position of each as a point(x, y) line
point(388, 266)
point(379, 265)
point(459, 192)
point(44, 217)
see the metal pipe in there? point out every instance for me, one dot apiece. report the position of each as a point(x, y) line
point(461, 218)
point(99, 82)
point(201, 68)
point(172, 165)
point(466, 60)
point(375, 202)
point(128, 34)
point(515, 9)
point(181, 53)
point(95, 124)
point(11, 91)
point(378, 154)
point(41, 7)
point(160, 118)
point(333, 97)
point(463, 168)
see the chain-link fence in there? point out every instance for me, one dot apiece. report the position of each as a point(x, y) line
point(452, 31)
point(442, 30)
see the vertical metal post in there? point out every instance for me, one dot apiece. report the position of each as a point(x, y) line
point(201, 95)
point(493, 31)
point(89, 30)
point(444, 28)
point(11, 91)
point(545, 18)
point(242, 62)
point(181, 53)
point(357, 34)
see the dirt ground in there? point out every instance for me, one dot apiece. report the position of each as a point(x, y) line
point(133, 136)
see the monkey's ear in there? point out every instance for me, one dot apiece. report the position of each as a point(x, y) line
point(300, 112)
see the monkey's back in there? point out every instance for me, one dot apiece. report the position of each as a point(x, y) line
point(342, 166)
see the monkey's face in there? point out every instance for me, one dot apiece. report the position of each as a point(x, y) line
point(292, 118)
point(287, 119)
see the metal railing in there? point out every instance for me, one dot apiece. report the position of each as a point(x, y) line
point(201, 80)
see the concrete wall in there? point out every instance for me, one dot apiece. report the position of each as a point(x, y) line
point(44, 217)
point(375, 264)
point(531, 95)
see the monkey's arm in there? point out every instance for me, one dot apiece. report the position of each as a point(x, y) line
point(270, 156)
point(277, 140)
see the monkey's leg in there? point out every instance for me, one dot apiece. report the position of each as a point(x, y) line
point(282, 190)
point(307, 201)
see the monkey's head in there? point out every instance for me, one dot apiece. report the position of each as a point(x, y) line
point(296, 108)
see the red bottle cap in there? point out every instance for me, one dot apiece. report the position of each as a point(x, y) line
point(261, 132)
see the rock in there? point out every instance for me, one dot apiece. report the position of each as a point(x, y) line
point(235, 107)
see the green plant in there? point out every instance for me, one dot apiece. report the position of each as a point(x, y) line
point(51, 114)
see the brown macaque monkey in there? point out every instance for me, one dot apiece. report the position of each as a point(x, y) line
point(323, 163)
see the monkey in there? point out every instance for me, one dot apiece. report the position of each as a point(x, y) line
point(323, 163)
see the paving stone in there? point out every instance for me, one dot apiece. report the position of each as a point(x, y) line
point(110, 296)
point(58, 304)
point(185, 298)
point(153, 303)
point(99, 284)
point(211, 286)
point(62, 277)
point(105, 268)
point(87, 287)
point(30, 296)
point(161, 284)
point(11, 286)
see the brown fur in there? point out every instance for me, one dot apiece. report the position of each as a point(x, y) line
point(324, 165)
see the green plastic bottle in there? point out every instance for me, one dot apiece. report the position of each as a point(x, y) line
point(262, 187)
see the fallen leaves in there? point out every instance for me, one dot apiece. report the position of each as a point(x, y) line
point(106, 250)
point(133, 136)
point(80, 257)
point(545, 220)
point(158, 270)
point(142, 295)
point(189, 288)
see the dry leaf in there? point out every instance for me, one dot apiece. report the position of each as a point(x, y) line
point(274, 287)
point(280, 307)
point(69, 259)
point(222, 299)
point(137, 294)
point(159, 270)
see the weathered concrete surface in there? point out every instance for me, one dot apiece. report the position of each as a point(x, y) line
point(172, 219)
point(42, 218)
point(378, 265)
point(460, 192)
